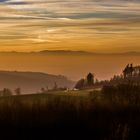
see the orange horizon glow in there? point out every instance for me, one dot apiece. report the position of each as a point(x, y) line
point(103, 26)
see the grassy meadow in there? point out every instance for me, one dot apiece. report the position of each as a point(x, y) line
point(110, 114)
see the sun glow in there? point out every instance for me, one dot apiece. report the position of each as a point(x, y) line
point(108, 26)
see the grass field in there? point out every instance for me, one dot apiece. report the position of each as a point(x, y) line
point(84, 114)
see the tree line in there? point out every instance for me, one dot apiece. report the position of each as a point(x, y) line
point(9, 92)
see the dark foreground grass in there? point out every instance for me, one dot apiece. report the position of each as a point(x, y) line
point(68, 117)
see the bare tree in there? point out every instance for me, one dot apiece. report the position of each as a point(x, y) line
point(90, 79)
point(7, 92)
point(55, 86)
point(18, 91)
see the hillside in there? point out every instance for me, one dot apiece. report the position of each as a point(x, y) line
point(30, 82)
point(110, 114)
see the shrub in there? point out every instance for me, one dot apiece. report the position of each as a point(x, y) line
point(7, 92)
point(123, 93)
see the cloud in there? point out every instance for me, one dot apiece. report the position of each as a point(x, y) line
point(61, 20)
point(1, 1)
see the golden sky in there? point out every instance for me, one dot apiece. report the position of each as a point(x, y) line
point(90, 25)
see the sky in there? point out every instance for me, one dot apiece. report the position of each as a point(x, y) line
point(89, 25)
point(74, 67)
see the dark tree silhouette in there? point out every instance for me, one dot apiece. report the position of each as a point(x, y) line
point(125, 71)
point(55, 86)
point(42, 90)
point(128, 71)
point(18, 91)
point(131, 69)
point(7, 92)
point(80, 84)
point(90, 79)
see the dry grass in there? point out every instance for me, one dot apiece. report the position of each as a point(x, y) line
point(63, 116)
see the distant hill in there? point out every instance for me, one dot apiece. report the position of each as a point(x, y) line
point(65, 52)
point(52, 52)
point(69, 52)
point(31, 82)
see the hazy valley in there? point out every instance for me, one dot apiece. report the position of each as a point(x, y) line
point(32, 82)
